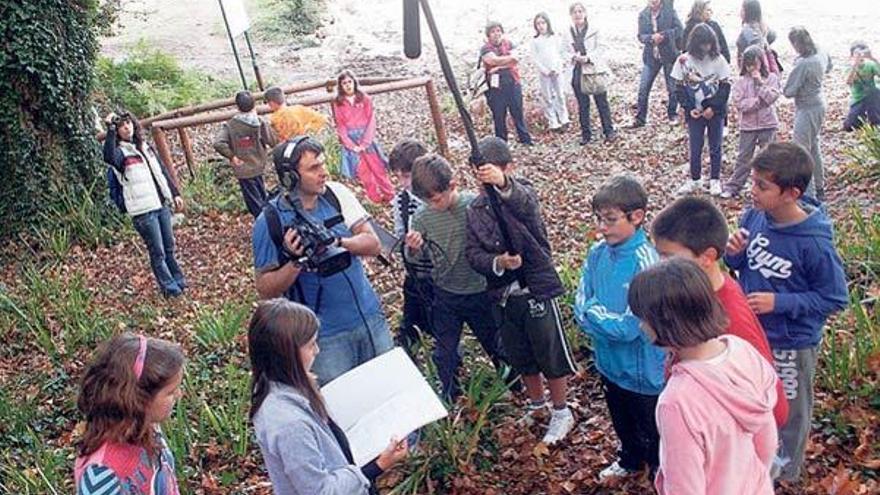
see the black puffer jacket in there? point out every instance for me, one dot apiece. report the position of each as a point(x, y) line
point(520, 208)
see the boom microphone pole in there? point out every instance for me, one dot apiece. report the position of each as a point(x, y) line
point(412, 49)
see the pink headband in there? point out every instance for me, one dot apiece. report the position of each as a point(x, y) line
point(142, 355)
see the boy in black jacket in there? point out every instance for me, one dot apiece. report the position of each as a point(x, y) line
point(523, 286)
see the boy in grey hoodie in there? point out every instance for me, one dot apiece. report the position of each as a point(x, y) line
point(244, 141)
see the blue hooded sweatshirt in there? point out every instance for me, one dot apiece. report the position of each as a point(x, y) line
point(623, 354)
point(799, 264)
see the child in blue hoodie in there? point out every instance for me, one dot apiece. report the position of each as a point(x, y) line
point(630, 366)
point(784, 253)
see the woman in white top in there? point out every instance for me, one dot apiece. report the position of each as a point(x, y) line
point(547, 52)
point(582, 46)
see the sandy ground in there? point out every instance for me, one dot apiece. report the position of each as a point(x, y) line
point(368, 34)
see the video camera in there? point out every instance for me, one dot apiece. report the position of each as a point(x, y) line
point(321, 254)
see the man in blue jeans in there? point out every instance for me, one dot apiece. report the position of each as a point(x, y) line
point(505, 91)
point(659, 30)
point(353, 326)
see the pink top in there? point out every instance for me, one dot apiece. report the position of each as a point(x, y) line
point(350, 116)
point(756, 102)
point(715, 418)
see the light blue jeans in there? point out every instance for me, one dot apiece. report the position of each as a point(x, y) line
point(155, 229)
point(346, 350)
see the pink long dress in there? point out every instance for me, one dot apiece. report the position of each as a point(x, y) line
point(356, 126)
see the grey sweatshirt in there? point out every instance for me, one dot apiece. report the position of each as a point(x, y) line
point(301, 453)
point(805, 81)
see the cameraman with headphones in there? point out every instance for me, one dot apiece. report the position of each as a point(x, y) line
point(353, 325)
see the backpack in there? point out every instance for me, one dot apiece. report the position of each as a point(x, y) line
point(115, 190)
point(276, 229)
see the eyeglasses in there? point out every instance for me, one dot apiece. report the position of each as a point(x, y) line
point(610, 219)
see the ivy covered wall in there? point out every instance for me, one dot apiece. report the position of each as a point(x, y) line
point(47, 126)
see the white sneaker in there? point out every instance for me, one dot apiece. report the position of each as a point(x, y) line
point(689, 187)
point(561, 422)
point(714, 187)
point(613, 471)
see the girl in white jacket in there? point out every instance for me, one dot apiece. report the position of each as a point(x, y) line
point(547, 53)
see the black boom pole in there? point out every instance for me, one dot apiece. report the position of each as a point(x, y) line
point(412, 49)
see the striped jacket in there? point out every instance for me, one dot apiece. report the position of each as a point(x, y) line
point(623, 354)
point(125, 469)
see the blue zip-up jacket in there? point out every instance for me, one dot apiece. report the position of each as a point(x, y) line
point(623, 354)
point(800, 265)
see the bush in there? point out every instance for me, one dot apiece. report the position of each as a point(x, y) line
point(148, 81)
point(286, 20)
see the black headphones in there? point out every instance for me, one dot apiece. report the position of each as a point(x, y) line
point(286, 157)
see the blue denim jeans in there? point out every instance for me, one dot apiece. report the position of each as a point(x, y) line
point(154, 228)
point(698, 130)
point(347, 350)
point(649, 74)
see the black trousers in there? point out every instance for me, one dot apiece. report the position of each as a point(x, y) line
point(418, 296)
point(583, 101)
point(254, 192)
point(634, 422)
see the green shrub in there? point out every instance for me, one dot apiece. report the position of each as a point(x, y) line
point(867, 154)
point(148, 81)
point(289, 20)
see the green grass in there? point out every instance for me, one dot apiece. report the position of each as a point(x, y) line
point(147, 82)
point(214, 187)
point(290, 21)
point(219, 327)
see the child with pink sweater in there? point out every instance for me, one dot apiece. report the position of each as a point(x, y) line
point(715, 416)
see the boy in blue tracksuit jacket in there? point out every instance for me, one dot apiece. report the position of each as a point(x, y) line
point(784, 253)
point(630, 366)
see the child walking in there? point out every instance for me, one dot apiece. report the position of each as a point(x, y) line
point(244, 140)
point(784, 253)
point(693, 228)
point(630, 366)
point(702, 89)
point(754, 96)
point(524, 287)
point(715, 416)
point(127, 392)
point(546, 50)
point(865, 99)
point(459, 292)
point(804, 85)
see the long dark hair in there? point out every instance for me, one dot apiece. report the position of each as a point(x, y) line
point(752, 12)
point(754, 54)
point(675, 299)
point(586, 14)
point(696, 14)
point(114, 400)
point(802, 41)
point(276, 332)
point(701, 35)
point(340, 95)
point(542, 15)
point(137, 133)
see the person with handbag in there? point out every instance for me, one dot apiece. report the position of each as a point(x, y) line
point(591, 75)
point(546, 49)
point(504, 94)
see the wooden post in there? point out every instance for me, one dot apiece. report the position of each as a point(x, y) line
point(187, 151)
point(161, 142)
point(437, 117)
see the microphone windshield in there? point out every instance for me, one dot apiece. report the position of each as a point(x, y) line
point(412, 39)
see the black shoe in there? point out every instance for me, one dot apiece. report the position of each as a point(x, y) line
point(526, 143)
point(637, 124)
point(611, 137)
point(586, 140)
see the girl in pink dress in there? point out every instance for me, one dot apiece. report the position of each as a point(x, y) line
point(356, 128)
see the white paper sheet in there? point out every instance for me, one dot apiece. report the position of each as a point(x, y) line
point(383, 398)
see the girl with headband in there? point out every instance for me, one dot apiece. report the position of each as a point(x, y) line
point(128, 390)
